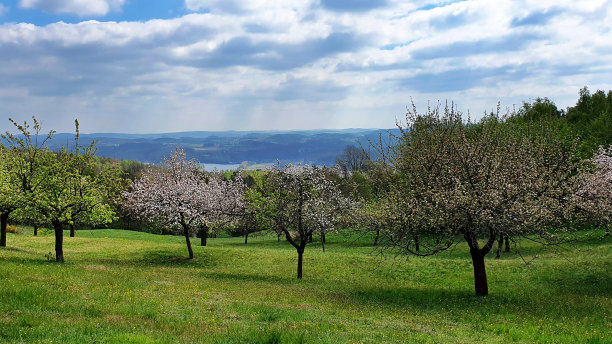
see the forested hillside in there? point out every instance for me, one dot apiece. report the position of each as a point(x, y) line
point(229, 147)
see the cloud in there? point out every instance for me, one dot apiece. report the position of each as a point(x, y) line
point(266, 64)
point(514, 42)
point(270, 55)
point(463, 79)
point(81, 8)
point(536, 18)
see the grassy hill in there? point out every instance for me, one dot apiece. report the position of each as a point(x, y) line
point(129, 287)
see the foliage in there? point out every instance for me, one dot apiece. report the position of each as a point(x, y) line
point(591, 119)
point(12, 229)
point(302, 202)
point(476, 182)
point(178, 194)
point(594, 196)
point(353, 159)
point(55, 188)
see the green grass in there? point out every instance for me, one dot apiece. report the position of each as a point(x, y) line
point(128, 287)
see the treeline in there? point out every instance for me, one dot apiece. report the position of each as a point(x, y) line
point(538, 174)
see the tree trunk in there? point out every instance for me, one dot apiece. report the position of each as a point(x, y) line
point(3, 222)
point(278, 235)
point(323, 240)
point(376, 237)
point(188, 241)
point(59, 241)
point(480, 273)
point(507, 240)
point(203, 235)
point(300, 260)
point(500, 243)
point(35, 230)
point(246, 238)
point(72, 230)
point(417, 246)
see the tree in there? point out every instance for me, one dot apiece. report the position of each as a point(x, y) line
point(21, 169)
point(178, 194)
point(594, 197)
point(9, 193)
point(302, 203)
point(477, 181)
point(53, 185)
point(68, 194)
point(591, 120)
point(352, 159)
point(254, 217)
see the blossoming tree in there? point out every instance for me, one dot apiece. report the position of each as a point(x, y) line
point(303, 203)
point(594, 197)
point(476, 182)
point(180, 194)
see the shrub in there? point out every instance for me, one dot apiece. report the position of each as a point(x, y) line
point(11, 229)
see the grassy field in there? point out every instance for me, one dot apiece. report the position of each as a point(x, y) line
point(128, 287)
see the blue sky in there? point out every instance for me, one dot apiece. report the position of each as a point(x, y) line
point(177, 65)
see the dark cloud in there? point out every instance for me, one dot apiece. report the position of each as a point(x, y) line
point(353, 5)
point(269, 55)
point(494, 45)
point(463, 79)
point(536, 18)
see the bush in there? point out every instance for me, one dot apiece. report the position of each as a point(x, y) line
point(11, 229)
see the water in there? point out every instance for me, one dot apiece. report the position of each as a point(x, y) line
point(219, 167)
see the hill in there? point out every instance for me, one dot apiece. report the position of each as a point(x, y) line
point(228, 147)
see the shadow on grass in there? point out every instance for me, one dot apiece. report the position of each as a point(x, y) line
point(31, 260)
point(571, 290)
point(418, 298)
point(579, 281)
point(155, 259)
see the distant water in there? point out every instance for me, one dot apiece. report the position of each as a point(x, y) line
point(220, 167)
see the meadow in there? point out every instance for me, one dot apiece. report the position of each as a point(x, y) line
point(131, 287)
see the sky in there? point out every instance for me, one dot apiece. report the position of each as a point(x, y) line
point(144, 66)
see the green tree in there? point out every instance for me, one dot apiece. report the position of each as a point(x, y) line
point(55, 185)
point(10, 197)
point(24, 158)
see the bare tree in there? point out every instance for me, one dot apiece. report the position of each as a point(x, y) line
point(352, 159)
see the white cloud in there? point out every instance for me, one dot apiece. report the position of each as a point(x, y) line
point(301, 65)
point(79, 7)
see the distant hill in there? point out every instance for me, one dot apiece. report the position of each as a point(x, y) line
point(228, 147)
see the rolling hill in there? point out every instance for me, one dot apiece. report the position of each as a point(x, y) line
point(228, 147)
